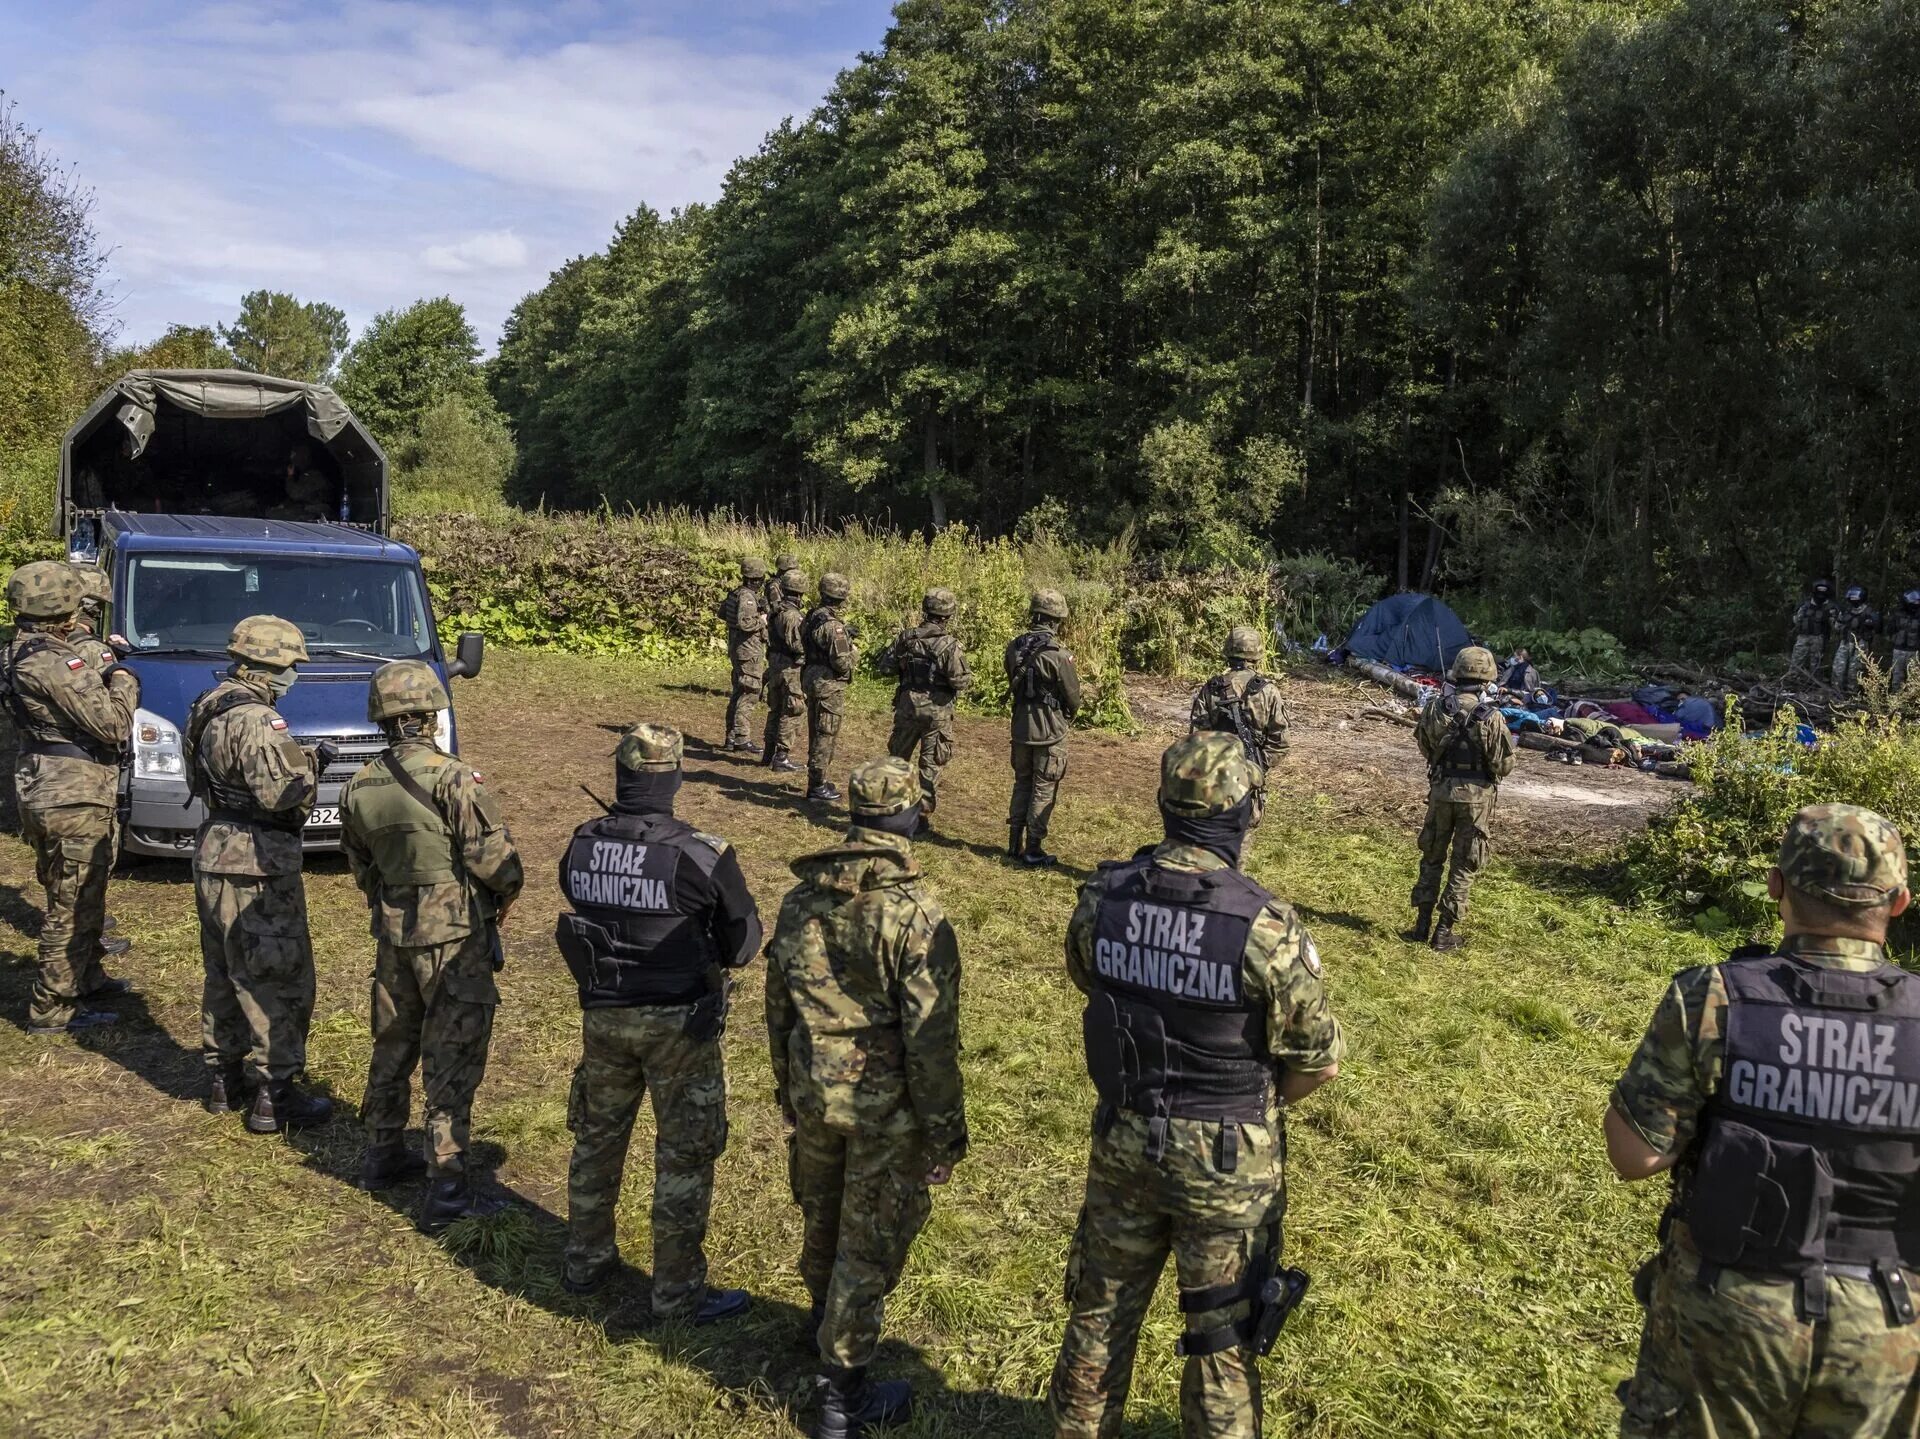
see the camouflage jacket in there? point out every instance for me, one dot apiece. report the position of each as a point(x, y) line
point(60, 699)
point(467, 842)
point(931, 667)
point(248, 748)
point(745, 619)
point(1903, 629)
point(1814, 617)
point(1045, 687)
point(1489, 736)
point(786, 646)
point(863, 997)
point(829, 651)
point(1857, 624)
point(1262, 711)
point(94, 650)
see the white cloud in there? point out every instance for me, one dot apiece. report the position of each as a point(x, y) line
point(489, 250)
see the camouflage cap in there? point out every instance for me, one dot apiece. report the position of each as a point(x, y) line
point(1845, 855)
point(1205, 774)
point(267, 640)
point(650, 749)
point(1048, 604)
point(404, 687)
point(834, 587)
point(44, 590)
point(1243, 643)
point(783, 563)
point(793, 582)
point(753, 568)
point(940, 603)
point(881, 787)
point(94, 584)
point(1474, 664)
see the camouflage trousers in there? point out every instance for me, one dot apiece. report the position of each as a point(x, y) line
point(864, 1199)
point(1736, 1362)
point(73, 856)
point(1902, 663)
point(433, 1006)
point(1463, 830)
point(1037, 772)
point(1808, 651)
point(749, 678)
point(627, 1054)
point(1216, 1225)
point(931, 732)
point(1848, 660)
point(786, 708)
point(257, 999)
point(826, 709)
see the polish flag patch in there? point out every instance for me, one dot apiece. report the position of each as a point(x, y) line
point(276, 723)
point(478, 778)
point(76, 664)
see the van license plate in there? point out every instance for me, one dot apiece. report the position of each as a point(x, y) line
point(324, 816)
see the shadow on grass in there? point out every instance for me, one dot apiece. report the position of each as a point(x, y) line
point(1601, 875)
point(768, 794)
point(1337, 918)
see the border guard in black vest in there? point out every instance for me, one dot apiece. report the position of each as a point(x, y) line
point(1205, 1015)
point(1782, 1088)
point(661, 913)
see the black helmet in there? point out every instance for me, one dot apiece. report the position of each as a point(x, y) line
point(1822, 588)
point(1911, 599)
point(1855, 594)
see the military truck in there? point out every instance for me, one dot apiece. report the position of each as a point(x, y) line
point(209, 495)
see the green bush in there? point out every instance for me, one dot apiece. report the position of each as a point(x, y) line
point(1711, 852)
point(1589, 654)
point(457, 457)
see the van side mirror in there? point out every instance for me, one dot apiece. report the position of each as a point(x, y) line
point(468, 655)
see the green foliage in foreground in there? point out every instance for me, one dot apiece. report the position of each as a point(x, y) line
point(167, 1275)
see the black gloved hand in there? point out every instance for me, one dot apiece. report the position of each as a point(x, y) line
point(853, 632)
point(325, 755)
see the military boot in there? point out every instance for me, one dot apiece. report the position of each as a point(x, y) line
point(116, 945)
point(1445, 941)
point(780, 764)
point(453, 1199)
point(284, 1105)
point(722, 1304)
point(85, 1019)
point(818, 789)
point(109, 987)
point(1035, 857)
point(850, 1404)
point(1016, 840)
point(226, 1090)
point(1422, 926)
point(383, 1166)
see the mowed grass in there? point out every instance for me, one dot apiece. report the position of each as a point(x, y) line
point(164, 1273)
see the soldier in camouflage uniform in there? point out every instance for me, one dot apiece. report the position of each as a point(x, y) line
point(786, 653)
point(1045, 688)
point(1812, 626)
point(660, 913)
point(932, 669)
point(1857, 623)
point(746, 620)
point(70, 722)
point(428, 848)
point(772, 596)
point(1782, 1089)
point(1205, 1015)
point(863, 1011)
point(258, 784)
point(1468, 752)
point(828, 641)
point(1243, 702)
point(90, 639)
point(1903, 633)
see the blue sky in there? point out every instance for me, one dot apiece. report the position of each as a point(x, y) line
point(370, 152)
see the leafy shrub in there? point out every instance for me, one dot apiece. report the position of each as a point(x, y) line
point(1175, 623)
point(1590, 653)
point(457, 457)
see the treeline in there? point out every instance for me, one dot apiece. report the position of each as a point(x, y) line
point(1601, 310)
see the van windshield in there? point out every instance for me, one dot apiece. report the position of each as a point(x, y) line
point(192, 602)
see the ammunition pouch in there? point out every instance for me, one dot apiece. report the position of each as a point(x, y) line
point(707, 1019)
point(580, 941)
point(1756, 1202)
point(67, 749)
point(1274, 1291)
point(1127, 1056)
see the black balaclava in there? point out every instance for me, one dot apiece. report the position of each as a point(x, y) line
point(644, 791)
point(1222, 834)
point(902, 824)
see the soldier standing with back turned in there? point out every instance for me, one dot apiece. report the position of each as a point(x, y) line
point(258, 785)
point(428, 848)
point(746, 618)
point(1857, 624)
point(1903, 633)
point(786, 654)
point(932, 669)
point(829, 669)
point(863, 1016)
point(1205, 1016)
point(1468, 752)
point(70, 722)
point(1045, 688)
point(1243, 702)
point(1782, 1089)
point(661, 913)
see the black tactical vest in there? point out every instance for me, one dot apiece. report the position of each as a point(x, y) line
point(628, 942)
point(1903, 630)
point(813, 636)
point(1463, 752)
point(918, 664)
point(37, 736)
point(1029, 686)
point(1169, 1030)
point(1810, 1149)
point(1225, 709)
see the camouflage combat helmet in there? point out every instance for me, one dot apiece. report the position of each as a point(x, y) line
point(939, 604)
point(1205, 774)
point(834, 588)
point(753, 568)
point(1243, 643)
point(44, 590)
point(270, 641)
point(783, 563)
point(882, 787)
point(1474, 665)
point(1048, 604)
point(650, 749)
point(95, 587)
point(404, 687)
point(793, 582)
point(1845, 855)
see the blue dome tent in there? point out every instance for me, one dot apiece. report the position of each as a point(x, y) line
point(1409, 630)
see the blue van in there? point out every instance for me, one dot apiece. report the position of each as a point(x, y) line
point(151, 480)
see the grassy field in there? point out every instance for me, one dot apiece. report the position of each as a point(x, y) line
point(164, 1273)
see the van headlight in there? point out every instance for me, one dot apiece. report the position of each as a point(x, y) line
point(156, 748)
point(443, 730)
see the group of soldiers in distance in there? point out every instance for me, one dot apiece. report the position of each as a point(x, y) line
point(1781, 1088)
point(1853, 627)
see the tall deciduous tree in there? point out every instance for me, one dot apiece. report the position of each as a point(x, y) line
point(406, 360)
point(275, 334)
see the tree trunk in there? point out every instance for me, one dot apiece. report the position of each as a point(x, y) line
point(930, 464)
